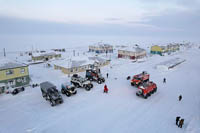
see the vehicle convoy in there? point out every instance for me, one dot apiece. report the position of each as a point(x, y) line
point(68, 89)
point(81, 82)
point(50, 93)
point(140, 78)
point(146, 89)
point(95, 75)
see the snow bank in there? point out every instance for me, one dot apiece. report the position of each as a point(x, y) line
point(193, 126)
point(169, 64)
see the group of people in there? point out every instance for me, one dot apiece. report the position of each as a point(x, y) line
point(105, 86)
point(179, 121)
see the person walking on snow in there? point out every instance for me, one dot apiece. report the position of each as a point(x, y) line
point(105, 89)
point(181, 123)
point(177, 120)
point(107, 75)
point(164, 80)
point(180, 98)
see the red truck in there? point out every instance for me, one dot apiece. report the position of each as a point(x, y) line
point(140, 78)
point(146, 89)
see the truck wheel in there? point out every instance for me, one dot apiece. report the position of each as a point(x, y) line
point(76, 85)
point(63, 91)
point(137, 94)
point(155, 89)
point(61, 101)
point(22, 89)
point(68, 94)
point(91, 86)
point(146, 96)
point(87, 88)
point(99, 81)
point(52, 103)
point(139, 84)
point(43, 95)
point(47, 98)
point(132, 84)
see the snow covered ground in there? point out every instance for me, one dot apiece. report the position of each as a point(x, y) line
point(119, 111)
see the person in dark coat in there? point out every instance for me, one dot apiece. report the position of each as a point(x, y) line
point(180, 98)
point(181, 123)
point(107, 75)
point(177, 120)
point(164, 80)
point(105, 89)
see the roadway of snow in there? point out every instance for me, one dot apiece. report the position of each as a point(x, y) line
point(119, 111)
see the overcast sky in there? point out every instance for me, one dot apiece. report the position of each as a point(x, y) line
point(170, 19)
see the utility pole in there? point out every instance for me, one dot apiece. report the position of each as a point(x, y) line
point(74, 52)
point(4, 52)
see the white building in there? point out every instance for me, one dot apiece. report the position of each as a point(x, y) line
point(77, 64)
point(101, 48)
point(45, 56)
point(131, 53)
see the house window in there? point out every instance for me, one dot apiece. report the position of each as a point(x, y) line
point(11, 83)
point(22, 70)
point(24, 80)
point(9, 72)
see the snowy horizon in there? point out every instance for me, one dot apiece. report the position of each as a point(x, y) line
point(86, 22)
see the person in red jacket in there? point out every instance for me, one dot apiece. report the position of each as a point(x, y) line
point(105, 89)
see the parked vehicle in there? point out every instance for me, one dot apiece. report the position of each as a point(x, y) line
point(2, 87)
point(50, 93)
point(17, 90)
point(146, 89)
point(81, 82)
point(68, 89)
point(95, 75)
point(140, 78)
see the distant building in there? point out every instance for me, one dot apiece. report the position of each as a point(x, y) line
point(101, 48)
point(13, 74)
point(131, 53)
point(76, 65)
point(45, 56)
point(161, 50)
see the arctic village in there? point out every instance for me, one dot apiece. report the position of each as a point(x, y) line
point(101, 88)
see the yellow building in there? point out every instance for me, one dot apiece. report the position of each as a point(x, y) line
point(13, 74)
point(164, 49)
point(159, 50)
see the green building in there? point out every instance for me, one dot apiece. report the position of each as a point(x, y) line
point(13, 74)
